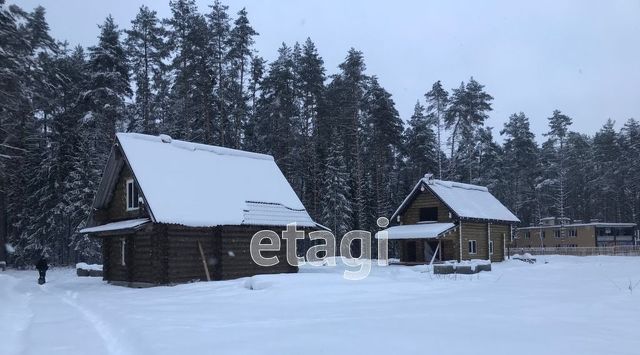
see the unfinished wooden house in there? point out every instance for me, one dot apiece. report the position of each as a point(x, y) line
point(564, 233)
point(444, 220)
point(169, 211)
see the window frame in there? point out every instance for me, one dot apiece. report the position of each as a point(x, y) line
point(490, 247)
point(435, 209)
point(474, 243)
point(133, 203)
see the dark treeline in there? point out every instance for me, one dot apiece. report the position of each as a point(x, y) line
point(338, 138)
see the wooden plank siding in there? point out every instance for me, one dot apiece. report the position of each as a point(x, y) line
point(424, 199)
point(477, 232)
point(585, 237)
point(117, 208)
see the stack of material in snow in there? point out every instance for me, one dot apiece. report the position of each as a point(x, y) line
point(91, 270)
point(526, 257)
point(3, 265)
point(463, 267)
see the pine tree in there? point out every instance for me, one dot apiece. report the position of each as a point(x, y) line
point(146, 52)
point(311, 90)
point(257, 74)
point(336, 203)
point(383, 140)
point(608, 172)
point(467, 111)
point(277, 111)
point(240, 43)
point(219, 27)
point(558, 130)
point(630, 166)
point(109, 86)
point(183, 40)
point(580, 182)
point(520, 155)
point(352, 84)
point(437, 104)
point(421, 145)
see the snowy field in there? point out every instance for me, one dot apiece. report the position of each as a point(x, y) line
point(572, 305)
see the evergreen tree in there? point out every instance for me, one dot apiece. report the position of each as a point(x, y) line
point(383, 138)
point(335, 196)
point(630, 166)
point(352, 84)
point(608, 172)
point(467, 111)
point(109, 86)
point(277, 111)
point(257, 73)
point(437, 104)
point(311, 90)
point(580, 182)
point(558, 130)
point(520, 155)
point(240, 42)
point(220, 28)
point(421, 145)
point(146, 51)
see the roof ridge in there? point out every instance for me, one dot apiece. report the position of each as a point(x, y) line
point(196, 146)
point(452, 184)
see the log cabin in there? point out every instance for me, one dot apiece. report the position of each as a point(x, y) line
point(169, 211)
point(444, 220)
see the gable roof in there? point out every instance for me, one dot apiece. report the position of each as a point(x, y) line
point(200, 185)
point(465, 200)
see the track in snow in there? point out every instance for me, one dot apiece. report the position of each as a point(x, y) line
point(53, 322)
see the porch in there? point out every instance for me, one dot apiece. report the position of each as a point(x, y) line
point(423, 243)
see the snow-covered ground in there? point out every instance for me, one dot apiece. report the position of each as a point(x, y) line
point(572, 305)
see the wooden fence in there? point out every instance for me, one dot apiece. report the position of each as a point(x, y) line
point(622, 250)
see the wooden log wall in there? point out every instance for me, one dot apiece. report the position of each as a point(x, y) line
point(424, 199)
point(236, 257)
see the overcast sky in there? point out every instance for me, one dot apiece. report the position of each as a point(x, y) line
point(581, 57)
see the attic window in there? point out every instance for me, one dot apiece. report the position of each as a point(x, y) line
point(133, 197)
point(429, 214)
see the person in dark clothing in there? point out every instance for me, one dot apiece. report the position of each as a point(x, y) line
point(42, 266)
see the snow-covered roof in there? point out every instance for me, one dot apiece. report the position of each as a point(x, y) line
point(115, 226)
point(265, 214)
point(572, 225)
point(416, 231)
point(465, 200)
point(200, 185)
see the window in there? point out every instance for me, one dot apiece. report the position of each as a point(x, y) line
point(490, 247)
point(429, 214)
point(123, 247)
point(557, 233)
point(543, 234)
point(527, 235)
point(572, 232)
point(133, 202)
point(472, 247)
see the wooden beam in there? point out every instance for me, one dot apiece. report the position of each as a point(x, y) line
point(204, 262)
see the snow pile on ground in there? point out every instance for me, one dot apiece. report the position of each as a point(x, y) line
point(85, 266)
point(572, 305)
point(473, 263)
